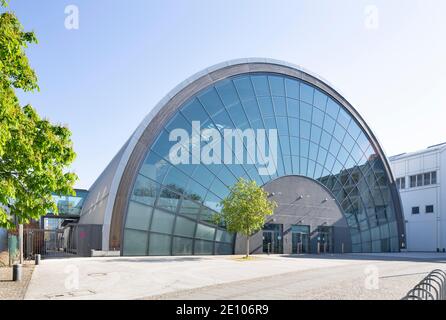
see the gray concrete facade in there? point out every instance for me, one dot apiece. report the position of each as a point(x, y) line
point(305, 202)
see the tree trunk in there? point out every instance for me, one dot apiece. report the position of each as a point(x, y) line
point(21, 242)
point(247, 246)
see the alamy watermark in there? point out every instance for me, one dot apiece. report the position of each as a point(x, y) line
point(72, 19)
point(206, 146)
point(371, 280)
point(371, 19)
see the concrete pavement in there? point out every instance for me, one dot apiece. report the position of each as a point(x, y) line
point(348, 276)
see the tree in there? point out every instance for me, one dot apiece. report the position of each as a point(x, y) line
point(34, 154)
point(245, 209)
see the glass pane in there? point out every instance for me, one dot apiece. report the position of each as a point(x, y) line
point(210, 101)
point(159, 244)
point(320, 100)
point(306, 111)
point(332, 109)
point(280, 108)
point(261, 86)
point(223, 248)
point(266, 106)
point(277, 86)
point(203, 247)
point(227, 92)
point(293, 108)
point(135, 243)
point(184, 227)
point(138, 216)
point(145, 190)
point(162, 222)
point(154, 167)
point(244, 88)
point(306, 93)
point(224, 236)
point(168, 199)
point(294, 127)
point(205, 232)
point(189, 208)
point(292, 88)
point(182, 246)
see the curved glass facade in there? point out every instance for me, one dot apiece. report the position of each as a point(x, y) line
point(171, 207)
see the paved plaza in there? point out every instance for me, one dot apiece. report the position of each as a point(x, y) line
point(348, 276)
point(14, 290)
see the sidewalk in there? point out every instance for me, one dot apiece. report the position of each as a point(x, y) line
point(15, 290)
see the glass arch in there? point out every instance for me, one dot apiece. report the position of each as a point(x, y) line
point(171, 206)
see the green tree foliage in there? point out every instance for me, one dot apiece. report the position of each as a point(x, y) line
point(245, 209)
point(34, 153)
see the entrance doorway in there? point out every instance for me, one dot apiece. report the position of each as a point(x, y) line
point(325, 239)
point(300, 239)
point(273, 238)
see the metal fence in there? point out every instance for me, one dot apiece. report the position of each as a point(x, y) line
point(49, 243)
point(432, 287)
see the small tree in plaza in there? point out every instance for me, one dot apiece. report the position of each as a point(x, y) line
point(245, 209)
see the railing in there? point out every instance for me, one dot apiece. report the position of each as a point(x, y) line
point(48, 243)
point(432, 287)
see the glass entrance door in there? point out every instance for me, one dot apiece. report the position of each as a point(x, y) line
point(325, 239)
point(272, 239)
point(300, 239)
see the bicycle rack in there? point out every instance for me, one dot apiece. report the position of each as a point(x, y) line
point(432, 287)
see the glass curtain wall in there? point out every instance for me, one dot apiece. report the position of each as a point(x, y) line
point(172, 206)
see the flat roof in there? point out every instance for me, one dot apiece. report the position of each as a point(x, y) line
point(432, 148)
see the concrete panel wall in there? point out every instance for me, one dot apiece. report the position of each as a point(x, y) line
point(88, 237)
point(301, 201)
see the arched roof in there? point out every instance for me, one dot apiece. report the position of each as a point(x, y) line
point(125, 168)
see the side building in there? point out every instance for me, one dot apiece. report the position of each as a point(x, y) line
point(313, 153)
point(420, 177)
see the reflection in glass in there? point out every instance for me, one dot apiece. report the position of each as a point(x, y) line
point(318, 138)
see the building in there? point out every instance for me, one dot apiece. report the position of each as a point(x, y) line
point(298, 137)
point(419, 177)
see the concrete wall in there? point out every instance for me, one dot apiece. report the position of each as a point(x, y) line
point(316, 207)
point(87, 238)
point(425, 231)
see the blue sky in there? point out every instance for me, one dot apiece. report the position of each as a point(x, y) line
point(102, 79)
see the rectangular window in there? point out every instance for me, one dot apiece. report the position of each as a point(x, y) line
point(430, 209)
point(415, 210)
point(434, 177)
point(401, 183)
point(413, 181)
point(427, 178)
point(419, 180)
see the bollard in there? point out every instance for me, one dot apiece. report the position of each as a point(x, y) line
point(17, 272)
point(37, 259)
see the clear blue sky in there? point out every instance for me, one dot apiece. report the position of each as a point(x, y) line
point(102, 79)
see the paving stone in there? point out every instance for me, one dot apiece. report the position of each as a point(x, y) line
point(15, 290)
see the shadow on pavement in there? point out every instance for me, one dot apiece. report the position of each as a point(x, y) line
point(441, 258)
point(152, 259)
